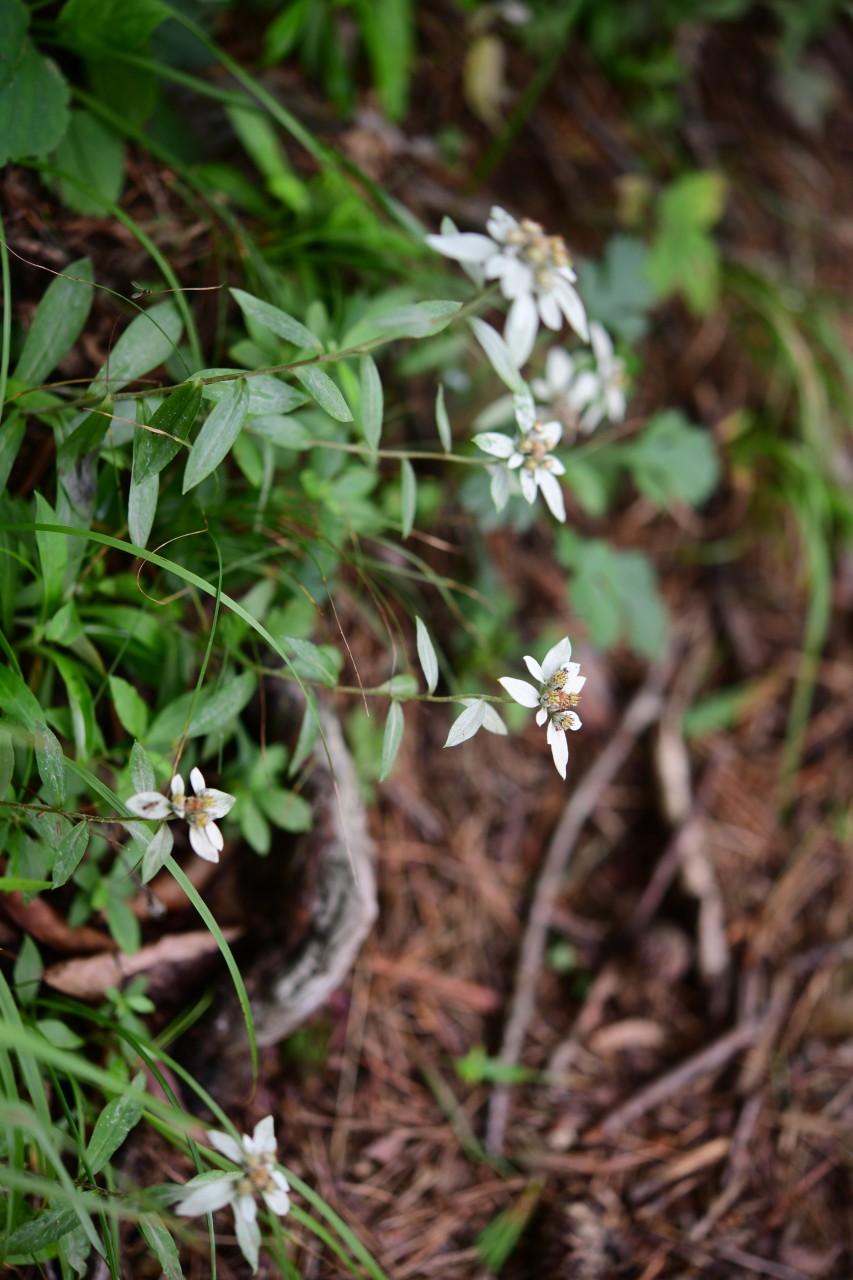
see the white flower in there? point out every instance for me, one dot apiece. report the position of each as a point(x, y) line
point(580, 395)
point(199, 811)
point(530, 454)
point(258, 1175)
point(559, 687)
point(609, 401)
point(535, 274)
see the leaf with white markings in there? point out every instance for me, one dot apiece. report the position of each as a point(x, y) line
point(319, 385)
point(426, 653)
point(391, 739)
point(112, 1126)
point(69, 855)
point(217, 435)
point(467, 724)
point(276, 321)
point(157, 852)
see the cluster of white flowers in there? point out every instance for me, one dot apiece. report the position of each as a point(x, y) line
point(257, 1175)
point(560, 683)
point(529, 455)
point(582, 394)
point(535, 273)
point(199, 811)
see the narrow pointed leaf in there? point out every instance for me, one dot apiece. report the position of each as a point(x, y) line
point(409, 497)
point(157, 444)
point(57, 324)
point(217, 435)
point(276, 321)
point(498, 354)
point(467, 724)
point(146, 343)
point(112, 1127)
point(157, 852)
point(426, 653)
point(320, 386)
point(371, 401)
point(442, 421)
point(391, 739)
point(70, 853)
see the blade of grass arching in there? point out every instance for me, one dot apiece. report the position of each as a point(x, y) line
point(335, 1221)
point(227, 955)
point(14, 1146)
point(526, 104)
point(162, 263)
point(6, 341)
point(810, 505)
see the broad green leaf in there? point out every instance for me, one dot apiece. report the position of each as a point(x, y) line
point(498, 354)
point(157, 1236)
point(262, 143)
point(286, 810)
point(141, 769)
point(33, 107)
point(53, 554)
point(309, 731)
point(276, 321)
point(286, 433)
point(417, 320)
point(693, 200)
point(324, 391)
point(122, 922)
point(91, 154)
point(147, 342)
point(98, 27)
point(391, 739)
point(46, 1229)
point(615, 593)
point(59, 1033)
point(426, 654)
point(70, 853)
point(217, 435)
point(112, 1126)
point(14, 19)
point(399, 686)
point(267, 395)
point(11, 435)
point(370, 401)
point(616, 291)
point(388, 30)
point(408, 497)
point(442, 421)
point(156, 444)
point(27, 971)
point(157, 852)
point(467, 724)
point(129, 707)
point(50, 762)
point(673, 461)
point(214, 709)
point(58, 322)
point(18, 701)
point(21, 705)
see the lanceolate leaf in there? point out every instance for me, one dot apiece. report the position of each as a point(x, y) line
point(158, 443)
point(442, 421)
point(426, 653)
point(391, 739)
point(409, 496)
point(324, 391)
point(371, 401)
point(112, 1127)
point(276, 321)
point(498, 353)
point(58, 322)
point(218, 434)
point(467, 724)
point(146, 343)
point(71, 849)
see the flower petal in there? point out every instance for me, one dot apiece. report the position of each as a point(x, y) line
point(600, 340)
point(500, 223)
point(557, 656)
point(262, 1141)
point(550, 433)
point(206, 840)
point(541, 716)
point(495, 443)
point(549, 310)
point(248, 1232)
point(226, 1145)
point(572, 307)
point(534, 668)
point(515, 276)
point(527, 479)
point(559, 370)
point(465, 246)
point(217, 803)
point(176, 788)
point(499, 486)
point(150, 804)
point(522, 325)
point(552, 493)
point(520, 691)
point(197, 781)
point(559, 750)
point(208, 1196)
point(277, 1198)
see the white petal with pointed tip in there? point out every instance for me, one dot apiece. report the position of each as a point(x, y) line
point(206, 841)
point(208, 1196)
point(521, 691)
point(559, 748)
point(150, 804)
point(522, 325)
point(465, 246)
point(226, 1145)
point(552, 493)
point(557, 656)
point(495, 443)
point(534, 668)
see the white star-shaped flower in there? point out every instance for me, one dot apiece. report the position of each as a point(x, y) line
point(199, 811)
point(530, 454)
point(558, 694)
point(257, 1175)
point(535, 274)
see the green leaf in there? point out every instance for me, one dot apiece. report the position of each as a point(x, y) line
point(53, 554)
point(70, 853)
point(311, 661)
point(370, 401)
point(142, 500)
point(673, 461)
point(123, 924)
point(50, 762)
point(402, 685)
point(693, 200)
point(154, 858)
point(388, 30)
point(59, 1033)
point(616, 289)
point(426, 654)
point(267, 395)
point(391, 739)
point(467, 723)
point(57, 323)
point(615, 593)
point(147, 342)
point(163, 1246)
point(286, 433)
point(324, 391)
point(141, 769)
point(18, 701)
point(80, 703)
point(159, 442)
point(11, 435)
point(46, 1229)
point(21, 705)
point(33, 107)
point(276, 321)
point(408, 497)
point(27, 971)
point(214, 709)
point(498, 353)
point(112, 1126)
point(217, 434)
point(7, 761)
point(129, 707)
point(91, 154)
point(442, 421)
point(14, 20)
point(286, 810)
point(417, 320)
point(97, 27)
